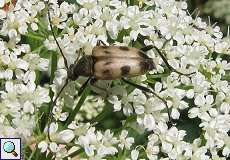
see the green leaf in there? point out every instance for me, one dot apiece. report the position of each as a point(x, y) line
point(226, 77)
point(123, 33)
point(191, 126)
point(140, 139)
point(35, 36)
point(156, 76)
point(184, 87)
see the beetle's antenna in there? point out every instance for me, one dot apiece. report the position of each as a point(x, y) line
point(51, 109)
point(50, 118)
point(51, 27)
point(168, 65)
point(150, 91)
point(147, 48)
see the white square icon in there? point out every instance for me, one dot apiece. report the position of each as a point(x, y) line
point(10, 148)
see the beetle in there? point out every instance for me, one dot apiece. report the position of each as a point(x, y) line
point(110, 63)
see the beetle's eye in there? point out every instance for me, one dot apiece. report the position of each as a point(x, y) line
point(71, 66)
point(70, 72)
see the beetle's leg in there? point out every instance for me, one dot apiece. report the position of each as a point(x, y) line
point(83, 86)
point(168, 65)
point(146, 48)
point(100, 42)
point(53, 103)
point(79, 55)
point(93, 81)
point(150, 91)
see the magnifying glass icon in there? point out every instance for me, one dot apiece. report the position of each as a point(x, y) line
point(9, 147)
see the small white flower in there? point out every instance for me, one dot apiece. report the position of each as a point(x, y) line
point(53, 147)
point(117, 104)
point(225, 108)
point(149, 122)
point(43, 146)
point(28, 107)
point(66, 136)
point(134, 154)
point(175, 114)
point(226, 151)
point(34, 26)
point(190, 93)
point(125, 141)
point(89, 151)
point(199, 100)
point(103, 151)
point(139, 109)
point(53, 127)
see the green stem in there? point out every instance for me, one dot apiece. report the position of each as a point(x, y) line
point(38, 49)
point(107, 109)
point(37, 37)
point(32, 154)
point(53, 61)
point(78, 106)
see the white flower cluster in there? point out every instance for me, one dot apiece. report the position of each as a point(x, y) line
point(21, 97)
point(200, 100)
point(96, 144)
point(91, 108)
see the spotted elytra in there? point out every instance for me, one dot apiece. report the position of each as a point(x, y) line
point(110, 63)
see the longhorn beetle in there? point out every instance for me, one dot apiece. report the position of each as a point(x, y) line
point(109, 63)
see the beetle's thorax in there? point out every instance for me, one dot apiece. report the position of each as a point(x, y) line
point(84, 67)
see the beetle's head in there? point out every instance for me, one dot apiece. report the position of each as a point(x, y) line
point(82, 68)
point(70, 73)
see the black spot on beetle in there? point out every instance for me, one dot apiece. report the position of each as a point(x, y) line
point(108, 62)
point(107, 73)
point(142, 54)
point(125, 70)
point(105, 47)
point(151, 64)
point(124, 48)
point(107, 52)
point(146, 65)
point(143, 66)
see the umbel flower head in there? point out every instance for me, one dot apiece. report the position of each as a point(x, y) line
point(112, 119)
